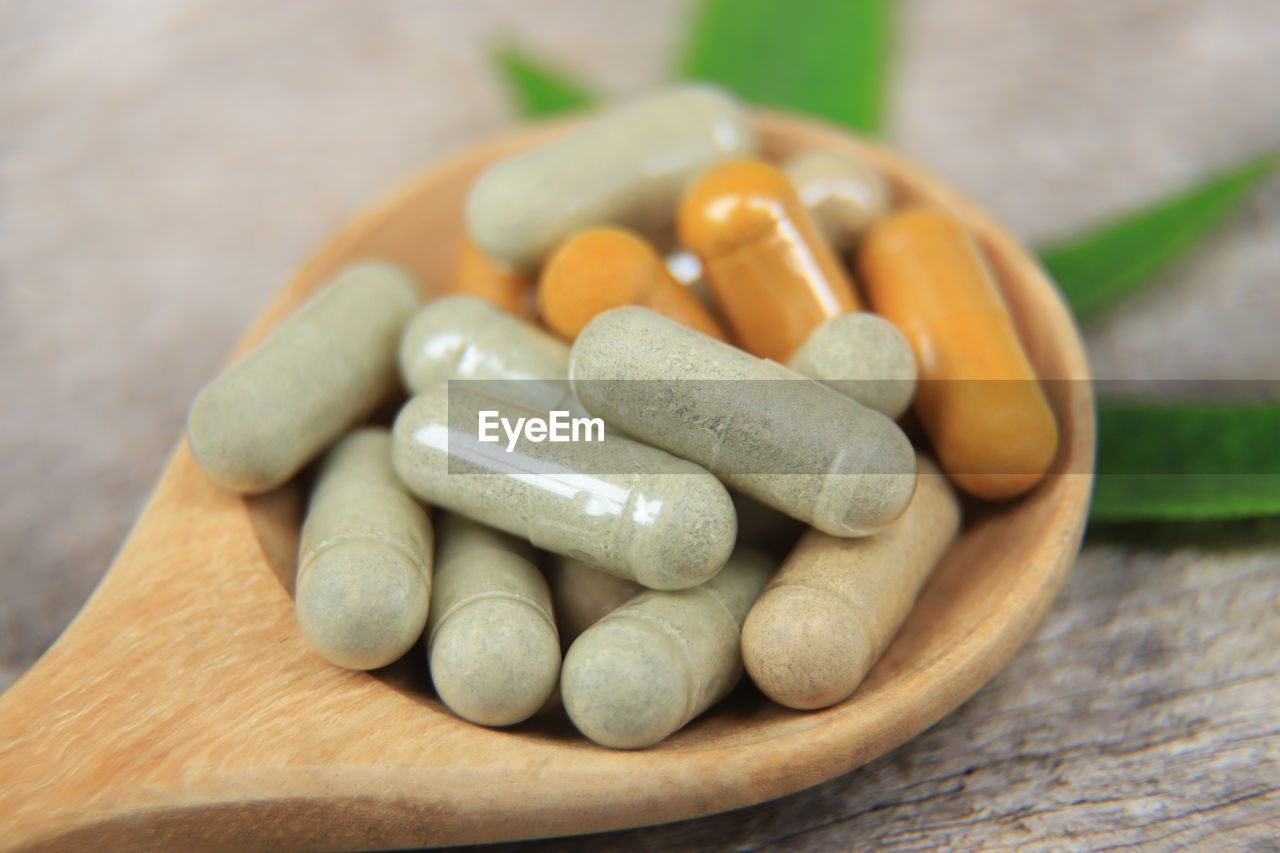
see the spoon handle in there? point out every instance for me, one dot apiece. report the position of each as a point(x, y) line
point(162, 677)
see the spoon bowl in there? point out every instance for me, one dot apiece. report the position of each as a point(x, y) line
point(183, 709)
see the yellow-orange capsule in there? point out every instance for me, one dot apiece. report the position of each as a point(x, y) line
point(474, 274)
point(978, 397)
point(772, 273)
point(604, 268)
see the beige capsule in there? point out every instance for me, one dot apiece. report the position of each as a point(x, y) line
point(653, 664)
point(491, 639)
point(629, 167)
point(765, 430)
point(465, 338)
point(864, 357)
point(843, 194)
point(630, 509)
point(364, 560)
point(835, 604)
point(583, 594)
point(323, 370)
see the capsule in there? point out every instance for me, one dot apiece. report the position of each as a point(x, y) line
point(773, 275)
point(324, 369)
point(465, 338)
point(628, 167)
point(491, 640)
point(364, 561)
point(602, 268)
point(628, 508)
point(835, 604)
point(843, 194)
point(653, 664)
point(978, 398)
point(765, 430)
point(864, 357)
point(583, 594)
point(475, 275)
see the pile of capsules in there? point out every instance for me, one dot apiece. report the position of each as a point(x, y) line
point(702, 292)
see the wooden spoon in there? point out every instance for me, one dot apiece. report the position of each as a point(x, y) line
point(182, 709)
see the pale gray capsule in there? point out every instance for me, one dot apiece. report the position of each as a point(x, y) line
point(364, 560)
point(863, 356)
point(843, 194)
point(324, 369)
point(765, 430)
point(491, 638)
point(653, 664)
point(465, 338)
point(627, 167)
point(582, 594)
point(628, 508)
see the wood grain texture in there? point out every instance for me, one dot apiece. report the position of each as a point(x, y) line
point(182, 709)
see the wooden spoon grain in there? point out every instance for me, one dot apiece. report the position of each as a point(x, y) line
point(182, 709)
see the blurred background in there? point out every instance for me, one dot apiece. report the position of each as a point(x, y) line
point(165, 166)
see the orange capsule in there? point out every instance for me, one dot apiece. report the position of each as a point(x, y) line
point(475, 275)
point(605, 268)
point(978, 397)
point(773, 275)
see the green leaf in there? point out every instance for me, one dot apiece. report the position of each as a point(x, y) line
point(825, 57)
point(1226, 535)
point(1169, 461)
point(1107, 263)
point(538, 89)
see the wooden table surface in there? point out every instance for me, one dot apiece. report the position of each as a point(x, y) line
point(164, 166)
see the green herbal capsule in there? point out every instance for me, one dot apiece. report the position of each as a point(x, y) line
point(323, 370)
point(462, 337)
point(661, 659)
point(765, 430)
point(627, 167)
point(632, 510)
point(864, 357)
point(364, 561)
point(491, 639)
